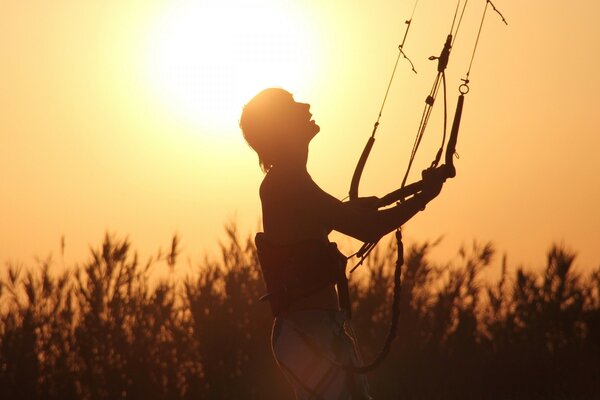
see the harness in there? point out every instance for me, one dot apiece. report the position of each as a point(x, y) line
point(293, 272)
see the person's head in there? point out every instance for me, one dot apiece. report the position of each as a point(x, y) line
point(276, 126)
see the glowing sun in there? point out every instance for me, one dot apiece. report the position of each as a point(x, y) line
point(207, 58)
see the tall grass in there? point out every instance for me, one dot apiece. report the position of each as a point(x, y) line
point(106, 330)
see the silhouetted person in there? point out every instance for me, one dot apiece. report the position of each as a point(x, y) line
point(312, 337)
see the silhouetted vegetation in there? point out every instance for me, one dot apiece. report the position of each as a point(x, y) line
point(106, 330)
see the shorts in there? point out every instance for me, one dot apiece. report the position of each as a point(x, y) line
point(311, 347)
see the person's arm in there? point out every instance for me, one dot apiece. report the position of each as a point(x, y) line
point(365, 224)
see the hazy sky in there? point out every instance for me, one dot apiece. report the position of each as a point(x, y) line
point(122, 116)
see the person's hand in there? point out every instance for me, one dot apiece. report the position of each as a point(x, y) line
point(433, 180)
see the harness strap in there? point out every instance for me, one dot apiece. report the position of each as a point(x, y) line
point(293, 272)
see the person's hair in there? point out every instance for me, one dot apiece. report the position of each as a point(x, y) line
point(263, 126)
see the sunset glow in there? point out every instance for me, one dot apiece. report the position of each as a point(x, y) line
point(123, 116)
point(205, 59)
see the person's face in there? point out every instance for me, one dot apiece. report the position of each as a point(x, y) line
point(300, 122)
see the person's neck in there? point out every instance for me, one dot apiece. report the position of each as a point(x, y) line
point(294, 162)
point(292, 167)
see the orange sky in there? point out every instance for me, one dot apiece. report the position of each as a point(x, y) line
point(122, 116)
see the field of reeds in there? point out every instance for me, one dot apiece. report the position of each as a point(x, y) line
point(106, 329)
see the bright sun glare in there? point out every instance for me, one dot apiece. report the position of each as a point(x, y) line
point(207, 58)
